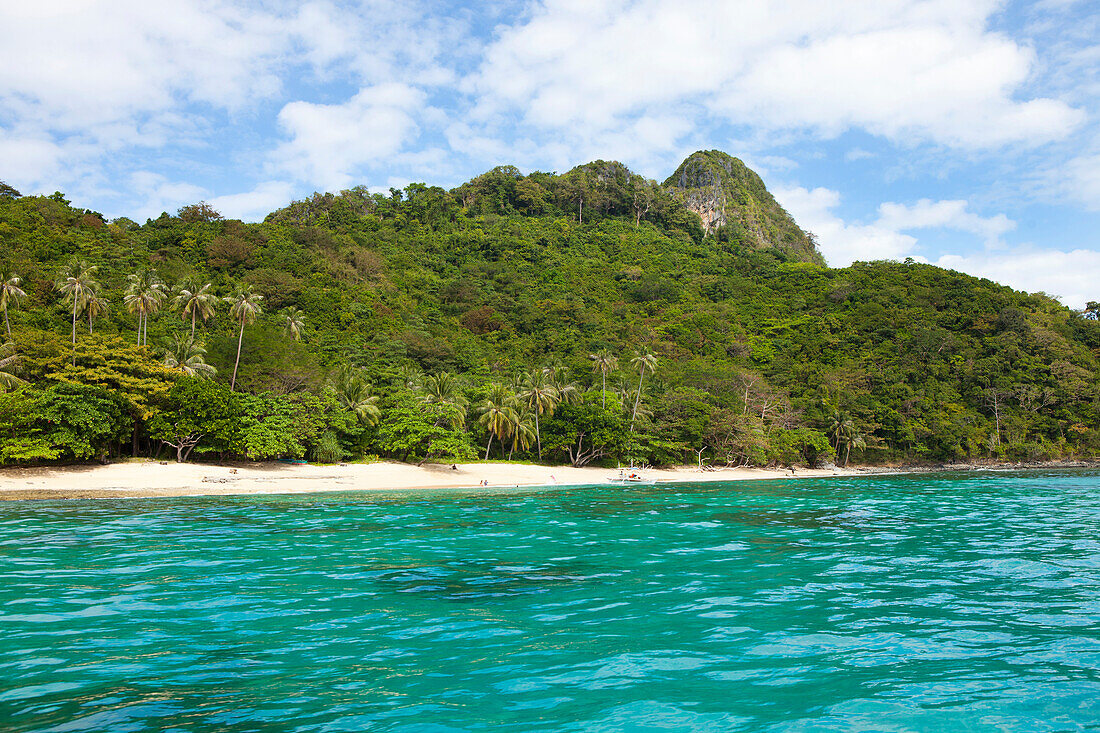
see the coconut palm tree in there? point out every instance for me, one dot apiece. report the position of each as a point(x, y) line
point(496, 414)
point(445, 389)
point(244, 307)
point(185, 354)
point(844, 432)
point(10, 294)
point(603, 362)
point(143, 296)
point(521, 432)
point(353, 392)
point(540, 397)
point(8, 361)
point(645, 361)
point(293, 321)
point(95, 306)
point(569, 393)
point(195, 301)
point(410, 376)
point(77, 282)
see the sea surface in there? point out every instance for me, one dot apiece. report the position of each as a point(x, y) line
point(945, 602)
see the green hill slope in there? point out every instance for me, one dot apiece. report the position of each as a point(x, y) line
point(461, 294)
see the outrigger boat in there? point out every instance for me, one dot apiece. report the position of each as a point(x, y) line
point(630, 477)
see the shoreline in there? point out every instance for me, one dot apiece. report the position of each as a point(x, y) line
point(148, 479)
point(151, 479)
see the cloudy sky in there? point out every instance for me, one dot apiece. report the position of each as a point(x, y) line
point(961, 132)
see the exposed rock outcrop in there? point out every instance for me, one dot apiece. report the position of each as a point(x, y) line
point(733, 203)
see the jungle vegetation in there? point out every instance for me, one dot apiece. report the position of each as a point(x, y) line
point(581, 317)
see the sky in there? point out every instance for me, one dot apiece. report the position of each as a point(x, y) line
point(965, 133)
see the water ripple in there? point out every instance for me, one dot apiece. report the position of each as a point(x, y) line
point(945, 602)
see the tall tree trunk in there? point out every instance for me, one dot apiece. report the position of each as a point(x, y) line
point(240, 338)
point(192, 325)
point(637, 398)
point(487, 446)
point(6, 324)
point(89, 320)
point(603, 392)
point(74, 330)
point(538, 435)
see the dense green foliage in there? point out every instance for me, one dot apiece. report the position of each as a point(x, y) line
point(429, 324)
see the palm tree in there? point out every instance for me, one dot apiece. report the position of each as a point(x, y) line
point(410, 376)
point(195, 301)
point(603, 362)
point(353, 392)
point(144, 295)
point(445, 389)
point(8, 360)
point(293, 321)
point(646, 361)
point(844, 432)
point(519, 429)
point(496, 414)
point(539, 396)
point(185, 354)
point(244, 306)
point(10, 294)
point(77, 282)
point(569, 393)
point(95, 306)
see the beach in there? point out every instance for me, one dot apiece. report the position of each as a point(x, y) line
point(152, 478)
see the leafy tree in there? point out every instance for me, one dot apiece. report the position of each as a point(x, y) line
point(197, 414)
point(413, 428)
point(587, 432)
point(82, 421)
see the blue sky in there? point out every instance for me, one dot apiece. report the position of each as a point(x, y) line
point(966, 134)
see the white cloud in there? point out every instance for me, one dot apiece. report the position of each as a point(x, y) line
point(840, 242)
point(1079, 179)
point(254, 205)
point(843, 242)
point(1071, 276)
point(158, 194)
point(331, 141)
point(927, 214)
point(905, 69)
point(1068, 275)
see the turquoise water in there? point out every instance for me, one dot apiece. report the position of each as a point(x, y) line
point(934, 602)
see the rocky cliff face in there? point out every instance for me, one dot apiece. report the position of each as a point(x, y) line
point(733, 203)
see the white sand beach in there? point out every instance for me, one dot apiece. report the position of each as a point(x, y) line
point(152, 478)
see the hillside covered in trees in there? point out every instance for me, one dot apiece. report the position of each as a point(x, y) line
point(588, 316)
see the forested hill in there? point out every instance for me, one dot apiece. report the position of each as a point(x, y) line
point(587, 316)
